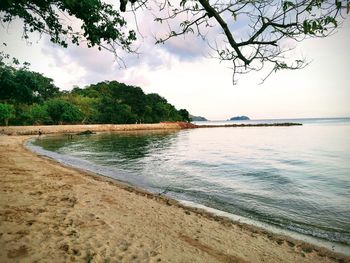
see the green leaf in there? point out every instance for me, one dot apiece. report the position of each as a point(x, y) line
point(234, 16)
point(287, 4)
point(306, 27)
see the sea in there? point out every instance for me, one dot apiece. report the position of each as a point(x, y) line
point(293, 180)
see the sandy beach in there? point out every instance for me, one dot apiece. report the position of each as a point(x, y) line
point(52, 213)
point(70, 129)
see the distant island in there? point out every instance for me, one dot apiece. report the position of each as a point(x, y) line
point(240, 118)
point(197, 118)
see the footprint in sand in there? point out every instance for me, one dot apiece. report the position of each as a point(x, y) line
point(19, 252)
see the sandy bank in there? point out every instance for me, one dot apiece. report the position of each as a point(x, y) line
point(51, 213)
point(52, 129)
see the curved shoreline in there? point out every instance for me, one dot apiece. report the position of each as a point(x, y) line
point(79, 128)
point(168, 229)
point(62, 129)
point(120, 177)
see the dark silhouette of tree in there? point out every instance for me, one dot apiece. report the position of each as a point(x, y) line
point(185, 115)
point(101, 25)
point(266, 25)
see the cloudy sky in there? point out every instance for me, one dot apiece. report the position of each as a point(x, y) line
point(182, 72)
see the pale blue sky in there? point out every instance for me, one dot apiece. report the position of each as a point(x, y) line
point(182, 73)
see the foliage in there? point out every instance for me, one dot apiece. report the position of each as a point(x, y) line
point(6, 112)
point(61, 111)
point(120, 103)
point(22, 114)
point(111, 112)
point(24, 86)
point(266, 28)
point(100, 24)
point(265, 25)
point(39, 114)
point(37, 101)
point(185, 115)
point(87, 105)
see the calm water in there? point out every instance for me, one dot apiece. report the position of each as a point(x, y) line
point(297, 178)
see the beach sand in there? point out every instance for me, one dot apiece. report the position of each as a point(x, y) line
point(52, 213)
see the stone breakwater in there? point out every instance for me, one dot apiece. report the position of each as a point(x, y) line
point(52, 129)
point(80, 128)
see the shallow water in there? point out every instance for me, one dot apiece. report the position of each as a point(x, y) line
point(296, 178)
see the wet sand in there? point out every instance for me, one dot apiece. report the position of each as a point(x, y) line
point(52, 213)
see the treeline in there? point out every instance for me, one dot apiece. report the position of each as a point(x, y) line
point(29, 98)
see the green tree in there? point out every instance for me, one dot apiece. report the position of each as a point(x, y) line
point(23, 86)
point(101, 25)
point(113, 111)
point(44, 87)
point(22, 114)
point(87, 105)
point(61, 111)
point(161, 110)
point(120, 103)
point(39, 114)
point(38, 101)
point(6, 112)
point(185, 115)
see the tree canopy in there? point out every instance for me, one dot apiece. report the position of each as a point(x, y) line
point(28, 98)
point(23, 86)
point(100, 23)
point(263, 25)
point(6, 112)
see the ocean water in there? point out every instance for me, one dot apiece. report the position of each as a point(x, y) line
point(295, 178)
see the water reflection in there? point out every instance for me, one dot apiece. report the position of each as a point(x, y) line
point(117, 146)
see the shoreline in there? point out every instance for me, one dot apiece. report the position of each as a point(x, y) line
point(85, 166)
point(183, 233)
point(286, 234)
point(80, 128)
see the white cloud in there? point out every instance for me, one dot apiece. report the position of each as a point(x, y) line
point(201, 85)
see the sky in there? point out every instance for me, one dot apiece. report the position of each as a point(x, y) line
point(183, 73)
